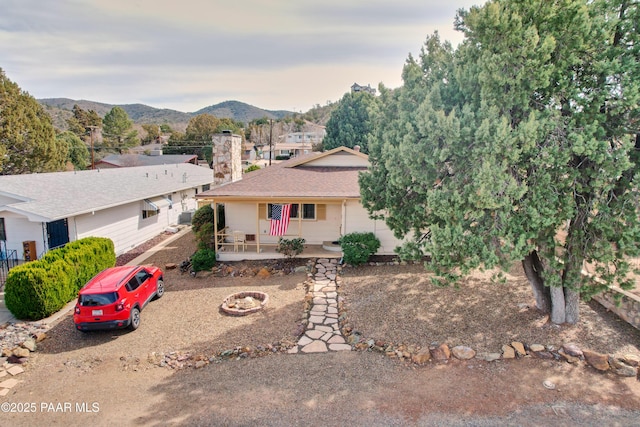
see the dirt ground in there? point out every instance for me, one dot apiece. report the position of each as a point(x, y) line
point(115, 378)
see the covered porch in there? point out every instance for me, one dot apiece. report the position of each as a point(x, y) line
point(247, 232)
point(229, 252)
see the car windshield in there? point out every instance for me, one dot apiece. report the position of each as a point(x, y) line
point(90, 300)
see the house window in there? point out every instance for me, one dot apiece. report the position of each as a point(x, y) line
point(206, 187)
point(3, 232)
point(308, 211)
point(149, 209)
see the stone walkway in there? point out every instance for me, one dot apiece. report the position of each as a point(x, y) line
point(323, 331)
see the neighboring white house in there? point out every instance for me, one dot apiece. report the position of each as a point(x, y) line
point(128, 205)
point(323, 191)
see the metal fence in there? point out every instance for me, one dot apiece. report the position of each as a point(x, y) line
point(8, 260)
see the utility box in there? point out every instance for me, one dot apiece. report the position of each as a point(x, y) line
point(29, 250)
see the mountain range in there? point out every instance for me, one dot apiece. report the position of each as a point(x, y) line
point(60, 109)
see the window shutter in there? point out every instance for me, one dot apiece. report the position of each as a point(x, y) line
point(321, 212)
point(262, 211)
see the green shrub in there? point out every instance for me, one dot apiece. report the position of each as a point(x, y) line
point(358, 247)
point(38, 289)
point(202, 216)
point(203, 259)
point(252, 168)
point(290, 247)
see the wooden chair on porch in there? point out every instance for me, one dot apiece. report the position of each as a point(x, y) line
point(239, 240)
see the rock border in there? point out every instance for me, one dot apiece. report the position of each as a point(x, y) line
point(627, 365)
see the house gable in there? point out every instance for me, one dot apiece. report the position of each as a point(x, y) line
point(338, 157)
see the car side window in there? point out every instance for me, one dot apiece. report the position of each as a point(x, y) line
point(142, 275)
point(132, 284)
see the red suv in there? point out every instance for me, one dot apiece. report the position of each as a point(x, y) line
point(113, 299)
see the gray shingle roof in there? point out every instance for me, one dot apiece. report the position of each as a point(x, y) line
point(52, 196)
point(126, 160)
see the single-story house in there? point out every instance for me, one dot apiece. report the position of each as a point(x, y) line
point(128, 205)
point(155, 158)
point(320, 192)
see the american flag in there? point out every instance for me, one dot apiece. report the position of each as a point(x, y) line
point(279, 219)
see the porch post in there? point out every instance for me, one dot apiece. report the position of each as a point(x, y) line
point(258, 227)
point(215, 226)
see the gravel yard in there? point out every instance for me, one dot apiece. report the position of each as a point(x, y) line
point(124, 373)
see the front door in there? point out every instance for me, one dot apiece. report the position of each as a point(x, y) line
point(57, 233)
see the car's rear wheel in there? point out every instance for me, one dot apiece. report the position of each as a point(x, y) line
point(134, 319)
point(159, 289)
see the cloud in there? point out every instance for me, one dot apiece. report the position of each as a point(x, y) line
point(193, 53)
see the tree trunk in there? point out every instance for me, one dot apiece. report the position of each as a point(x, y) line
point(558, 314)
point(572, 306)
point(533, 270)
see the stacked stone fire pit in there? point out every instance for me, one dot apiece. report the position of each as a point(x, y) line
point(243, 303)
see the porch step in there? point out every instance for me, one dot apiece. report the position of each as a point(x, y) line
point(331, 246)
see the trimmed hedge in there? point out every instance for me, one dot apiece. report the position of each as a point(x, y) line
point(38, 289)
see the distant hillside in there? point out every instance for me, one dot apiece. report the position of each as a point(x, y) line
point(240, 111)
point(60, 110)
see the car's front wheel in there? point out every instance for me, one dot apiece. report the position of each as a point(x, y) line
point(159, 289)
point(134, 319)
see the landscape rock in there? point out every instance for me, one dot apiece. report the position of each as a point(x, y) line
point(20, 352)
point(621, 368)
point(508, 352)
point(463, 352)
point(597, 360)
point(489, 357)
point(440, 352)
point(519, 348)
point(545, 355)
point(536, 347)
point(263, 273)
point(421, 357)
point(631, 359)
point(572, 350)
point(569, 358)
point(29, 344)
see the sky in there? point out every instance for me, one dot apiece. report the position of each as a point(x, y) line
point(189, 54)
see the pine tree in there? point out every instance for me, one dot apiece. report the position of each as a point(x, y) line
point(519, 146)
point(27, 136)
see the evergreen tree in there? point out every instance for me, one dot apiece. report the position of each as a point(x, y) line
point(519, 146)
point(78, 153)
point(351, 122)
point(118, 129)
point(27, 136)
point(83, 122)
